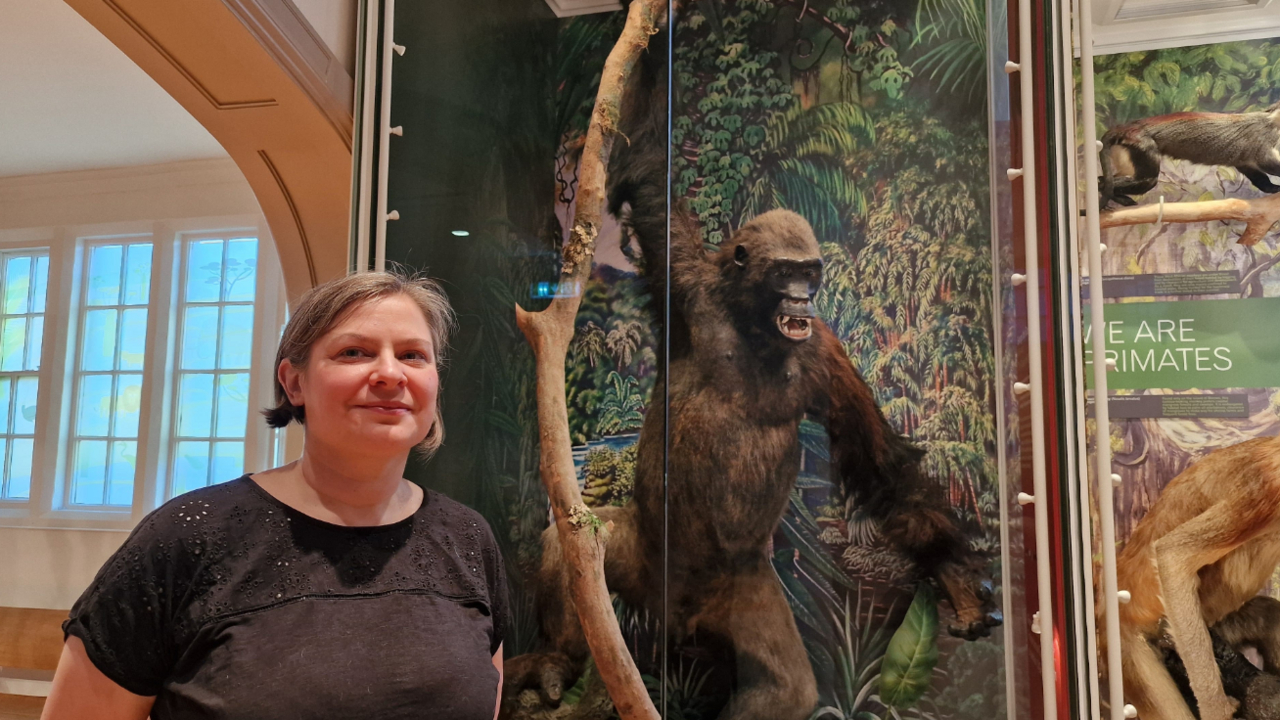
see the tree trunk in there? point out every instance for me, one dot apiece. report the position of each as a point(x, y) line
point(549, 332)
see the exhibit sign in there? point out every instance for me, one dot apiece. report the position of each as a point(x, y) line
point(1192, 344)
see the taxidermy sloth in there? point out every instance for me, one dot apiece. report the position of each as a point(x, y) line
point(1204, 550)
point(1131, 153)
point(748, 360)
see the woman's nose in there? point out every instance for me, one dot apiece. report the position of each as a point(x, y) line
point(387, 370)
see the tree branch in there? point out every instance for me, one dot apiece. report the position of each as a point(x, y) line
point(1259, 214)
point(549, 332)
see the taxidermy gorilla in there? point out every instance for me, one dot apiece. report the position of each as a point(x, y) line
point(748, 360)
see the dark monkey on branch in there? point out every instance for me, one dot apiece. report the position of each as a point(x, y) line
point(748, 360)
point(1131, 153)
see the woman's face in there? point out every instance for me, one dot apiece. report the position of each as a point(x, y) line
point(370, 383)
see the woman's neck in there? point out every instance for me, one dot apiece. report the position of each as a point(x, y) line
point(344, 490)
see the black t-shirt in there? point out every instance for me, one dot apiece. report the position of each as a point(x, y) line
point(227, 603)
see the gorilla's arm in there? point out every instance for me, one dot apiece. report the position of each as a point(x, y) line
point(879, 472)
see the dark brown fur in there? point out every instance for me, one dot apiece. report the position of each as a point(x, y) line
point(737, 390)
point(1131, 153)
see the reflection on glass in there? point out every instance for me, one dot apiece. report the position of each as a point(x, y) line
point(17, 282)
point(199, 337)
point(241, 270)
point(237, 337)
point(95, 406)
point(204, 271)
point(133, 339)
point(233, 404)
point(127, 406)
point(195, 404)
point(13, 344)
point(99, 350)
point(190, 466)
point(104, 275)
point(137, 283)
point(21, 450)
point(89, 477)
point(121, 472)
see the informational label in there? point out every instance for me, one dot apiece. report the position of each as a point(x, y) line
point(1212, 282)
point(1194, 344)
point(1129, 407)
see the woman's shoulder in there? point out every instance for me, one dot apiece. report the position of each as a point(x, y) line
point(444, 514)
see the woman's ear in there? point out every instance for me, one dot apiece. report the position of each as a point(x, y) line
point(291, 380)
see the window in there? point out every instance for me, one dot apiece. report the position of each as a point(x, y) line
point(22, 286)
point(150, 385)
point(214, 361)
point(108, 378)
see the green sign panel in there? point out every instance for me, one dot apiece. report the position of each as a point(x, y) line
point(1190, 344)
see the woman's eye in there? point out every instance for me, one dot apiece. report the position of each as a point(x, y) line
point(415, 355)
point(351, 353)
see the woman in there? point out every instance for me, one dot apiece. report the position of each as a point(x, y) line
point(328, 588)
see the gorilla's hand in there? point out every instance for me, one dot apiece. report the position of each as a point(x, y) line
point(972, 596)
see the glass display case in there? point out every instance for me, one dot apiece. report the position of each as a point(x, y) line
point(821, 392)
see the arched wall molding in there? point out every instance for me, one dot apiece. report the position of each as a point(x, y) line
point(259, 78)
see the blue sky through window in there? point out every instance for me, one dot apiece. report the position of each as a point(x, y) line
point(108, 387)
point(23, 281)
point(219, 285)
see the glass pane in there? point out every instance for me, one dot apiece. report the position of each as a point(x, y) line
point(124, 455)
point(104, 275)
point(35, 343)
point(137, 275)
point(195, 405)
point(199, 337)
point(204, 271)
point(237, 336)
point(4, 405)
point(233, 404)
point(128, 402)
point(133, 339)
point(17, 284)
point(24, 414)
point(99, 351)
point(94, 406)
point(228, 461)
point(42, 283)
point(13, 342)
point(88, 479)
point(20, 467)
point(11, 486)
point(242, 270)
point(190, 466)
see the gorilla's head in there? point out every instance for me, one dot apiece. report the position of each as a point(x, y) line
point(774, 265)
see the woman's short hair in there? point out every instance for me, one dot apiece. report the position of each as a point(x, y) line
point(324, 306)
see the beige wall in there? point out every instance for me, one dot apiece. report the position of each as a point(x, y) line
point(44, 568)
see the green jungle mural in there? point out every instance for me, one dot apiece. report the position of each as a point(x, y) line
point(1225, 77)
point(870, 119)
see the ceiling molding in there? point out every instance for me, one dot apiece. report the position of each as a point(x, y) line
point(1129, 25)
point(191, 78)
point(286, 35)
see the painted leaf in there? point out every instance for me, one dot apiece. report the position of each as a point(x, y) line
point(912, 653)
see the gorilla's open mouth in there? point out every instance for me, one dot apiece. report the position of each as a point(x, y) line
point(795, 328)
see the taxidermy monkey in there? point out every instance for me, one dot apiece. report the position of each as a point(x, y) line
point(1202, 553)
point(749, 359)
point(1131, 153)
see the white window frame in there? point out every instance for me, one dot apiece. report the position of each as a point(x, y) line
point(48, 505)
